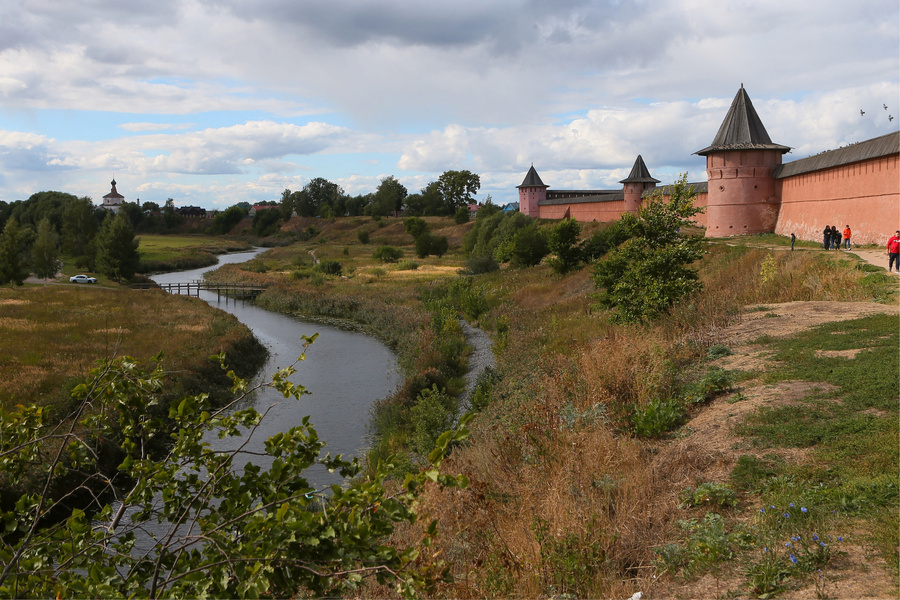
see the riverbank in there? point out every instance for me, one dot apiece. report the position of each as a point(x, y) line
point(565, 495)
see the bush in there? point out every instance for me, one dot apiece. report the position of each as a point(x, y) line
point(387, 254)
point(428, 243)
point(432, 415)
point(526, 248)
point(657, 418)
point(363, 236)
point(708, 494)
point(415, 226)
point(476, 265)
point(603, 240)
point(329, 267)
point(407, 265)
point(651, 271)
point(711, 384)
point(563, 242)
point(462, 215)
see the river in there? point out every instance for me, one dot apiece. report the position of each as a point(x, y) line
point(344, 371)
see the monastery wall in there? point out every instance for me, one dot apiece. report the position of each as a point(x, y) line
point(586, 211)
point(863, 195)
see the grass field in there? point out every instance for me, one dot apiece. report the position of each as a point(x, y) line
point(52, 335)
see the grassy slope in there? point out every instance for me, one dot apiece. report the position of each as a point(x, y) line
point(564, 499)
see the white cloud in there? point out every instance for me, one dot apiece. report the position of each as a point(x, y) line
point(578, 87)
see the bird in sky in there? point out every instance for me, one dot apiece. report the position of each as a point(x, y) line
point(890, 118)
point(862, 112)
point(885, 106)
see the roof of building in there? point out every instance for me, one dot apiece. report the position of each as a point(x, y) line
point(556, 197)
point(700, 187)
point(639, 173)
point(113, 193)
point(742, 129)
point(532, 179)
point(884, 145)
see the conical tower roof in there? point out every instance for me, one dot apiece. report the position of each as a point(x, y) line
point(742, 129)
point(639, 173)
point(532, 179)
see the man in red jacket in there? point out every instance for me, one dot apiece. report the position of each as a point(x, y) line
point(893, 248)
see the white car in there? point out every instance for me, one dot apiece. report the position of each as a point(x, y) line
point(83, 279)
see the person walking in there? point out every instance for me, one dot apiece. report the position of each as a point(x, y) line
point(793, 239)
point(826, 237)
point(835, 238)
point(893, 248)
point(846, 234)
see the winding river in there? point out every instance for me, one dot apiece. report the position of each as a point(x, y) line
point(345, 372)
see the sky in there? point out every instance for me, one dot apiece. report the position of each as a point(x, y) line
point(214, 102)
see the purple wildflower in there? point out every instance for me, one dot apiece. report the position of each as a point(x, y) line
point(793, 559)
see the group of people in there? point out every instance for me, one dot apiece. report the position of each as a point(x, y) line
point(831, 237)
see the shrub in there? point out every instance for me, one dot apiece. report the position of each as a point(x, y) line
point(718, 351)
point(603, 240)
point(476, 265)
point(387, 254)
point(462, 215)
point(363, 236)
point(657, 417)
point(407, 265)
point(563, 242)
point(711, 384)
point(526, 248)
point(651, 271)
point(428, 243)
point(329, 267)
point(415, 226)
point(708, 494)
point(432, 415)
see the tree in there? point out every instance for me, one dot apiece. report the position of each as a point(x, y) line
point(643, 277)
point(227, 219)
point(456, 189)
point(232, 533)
point(117, 249)
point(428, 243)
point(415, 226)
point(80, 222)
point(13, 254)
point(287, 204)
point(265, 221)
point(318, 194)
point(388, 198)
point(526, 248)
point(426, 203)
point(563, 242)
point(45, 251)
point(171, 218)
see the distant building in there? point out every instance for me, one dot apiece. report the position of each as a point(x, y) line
point(749, 190)
point(113, 200)
point(191, 211)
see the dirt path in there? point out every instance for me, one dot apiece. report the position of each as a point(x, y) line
point(710, 433)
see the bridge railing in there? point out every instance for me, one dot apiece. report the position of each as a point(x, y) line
point(193, 288)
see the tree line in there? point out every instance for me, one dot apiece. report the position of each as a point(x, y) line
point(36, 231)
point(453, 191)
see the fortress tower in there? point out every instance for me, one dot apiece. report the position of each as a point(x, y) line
point(740, 164)
point(635, 184)
point(531, 192)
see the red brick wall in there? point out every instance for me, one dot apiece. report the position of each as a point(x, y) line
point(864, 195)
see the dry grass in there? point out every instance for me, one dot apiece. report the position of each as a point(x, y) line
point(541, 455)
point(51, 335)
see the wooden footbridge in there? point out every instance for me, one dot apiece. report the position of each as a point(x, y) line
point(240, 291)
